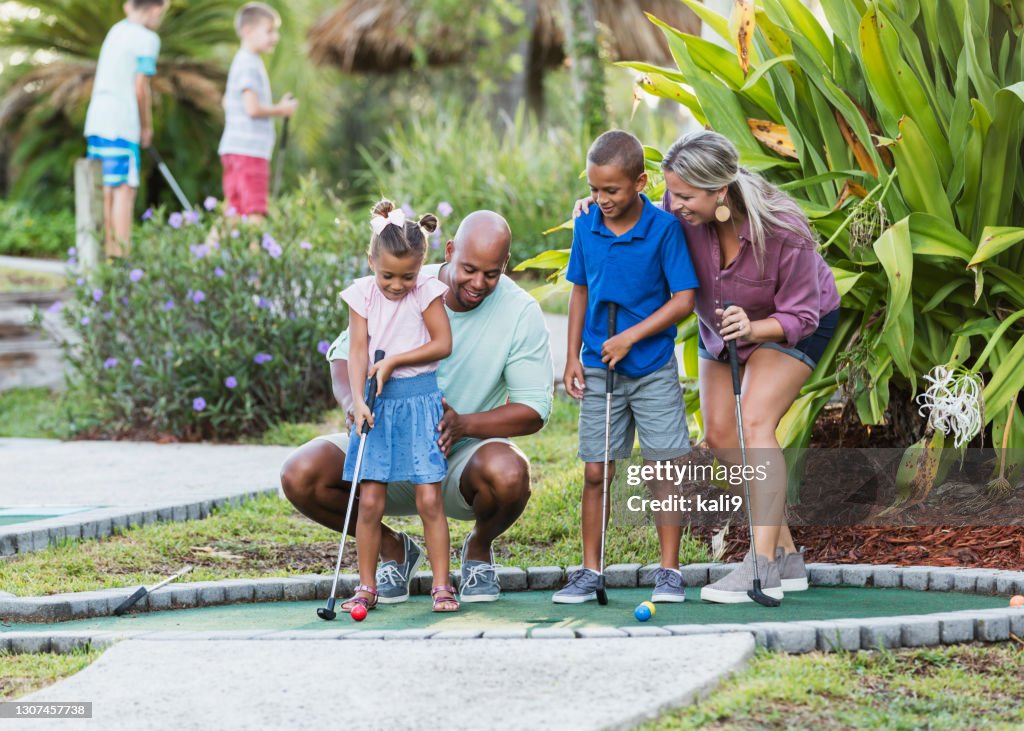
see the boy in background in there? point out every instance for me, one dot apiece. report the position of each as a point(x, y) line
point(120, 116)
point(248, 140)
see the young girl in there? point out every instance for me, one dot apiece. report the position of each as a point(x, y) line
point(399, 311)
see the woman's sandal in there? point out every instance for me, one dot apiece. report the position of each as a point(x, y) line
point(346, 606)
point(440, 601)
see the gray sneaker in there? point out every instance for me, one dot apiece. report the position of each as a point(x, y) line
point(792, 570)
point(581, 587)
point(732, 589)
point(668, 586)
point(393, 577)
point(479, 579)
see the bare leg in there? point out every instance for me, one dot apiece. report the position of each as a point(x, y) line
point(123, 209)
point(108, 221)
point(668, 523)
point(496, 483)
point(593, 489)
point(430, 506)
point(372, 496)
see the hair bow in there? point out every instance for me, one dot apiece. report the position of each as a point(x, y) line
point(395, 218)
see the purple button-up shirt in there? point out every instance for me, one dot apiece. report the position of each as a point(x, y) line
point(796, 286)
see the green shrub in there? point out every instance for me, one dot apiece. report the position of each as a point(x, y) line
point(214, 340)
point(25, 231)
point(460, 157)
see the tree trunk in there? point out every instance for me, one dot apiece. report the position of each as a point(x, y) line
point(521, 83)
point(587, 69)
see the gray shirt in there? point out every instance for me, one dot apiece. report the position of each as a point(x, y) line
point(245, 135)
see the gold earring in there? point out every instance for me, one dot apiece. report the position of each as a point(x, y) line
point(722, 213)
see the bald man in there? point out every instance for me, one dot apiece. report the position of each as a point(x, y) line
point(497, 384)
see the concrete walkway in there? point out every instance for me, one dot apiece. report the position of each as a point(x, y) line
point(317, 684)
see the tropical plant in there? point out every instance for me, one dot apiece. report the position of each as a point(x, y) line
point(900, 135)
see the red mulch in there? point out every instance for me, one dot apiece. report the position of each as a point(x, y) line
point(990, 547)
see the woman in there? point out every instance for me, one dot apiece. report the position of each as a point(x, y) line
point(752, 247)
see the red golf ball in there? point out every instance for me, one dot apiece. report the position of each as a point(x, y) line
point(359, 612)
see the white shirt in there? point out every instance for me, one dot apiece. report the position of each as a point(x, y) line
point(129, 49)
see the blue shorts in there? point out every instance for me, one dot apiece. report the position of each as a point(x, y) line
point(808, 351)
point(120, 160)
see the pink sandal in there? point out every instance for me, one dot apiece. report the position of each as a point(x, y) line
point(440, 600)
point(346, 606)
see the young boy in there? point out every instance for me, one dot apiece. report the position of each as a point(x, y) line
point(120, 114)
point(626, 251)
point(248, 140)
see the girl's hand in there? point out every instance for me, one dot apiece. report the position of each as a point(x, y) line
point(582, 206)
point(735, 323)
point(383, 370)
point(361, 414)
point(572, 379)
point(616, 348)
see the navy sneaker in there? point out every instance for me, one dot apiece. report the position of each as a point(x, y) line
point(668, 586)
point(479, 579)
point(581, 587)
point(393, 577)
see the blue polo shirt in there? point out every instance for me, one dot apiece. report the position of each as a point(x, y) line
point(639, 271)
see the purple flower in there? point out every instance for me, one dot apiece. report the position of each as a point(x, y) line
point(234, 233)
point(80, 281)
point(199, 296)
point(323, 346)
point(445, 208)
point(210, 203)
point(198, 403)
point(136, 362)
point(435, 239)
point(124, 301)
point(147, 214)
point(199, 251)
point(55, 307)
point(72, 262)
point(135, 275)
point(263, 303)
point(231, 212)
point(97, 295)
point(271, 246)
point(85, 320)
point(408, 211)
point(72, 252)
point(275, 251)
point(305, 245)
point(110, 363)
point(262, 358)
point(175, 220)
point(218, 272)
point(191, 217)
point(168, 305)
point(230, 381)
point(107, 315)
point(168, 353)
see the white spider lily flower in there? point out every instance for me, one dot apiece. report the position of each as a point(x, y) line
point(953, 403)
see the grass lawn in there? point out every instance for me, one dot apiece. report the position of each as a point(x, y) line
point(957, 687)
point(33, 413)
point(21, 674)
point(17, 280)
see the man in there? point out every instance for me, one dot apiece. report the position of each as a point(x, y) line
point(497, 384)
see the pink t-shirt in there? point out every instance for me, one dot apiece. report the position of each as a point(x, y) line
point(395, 326)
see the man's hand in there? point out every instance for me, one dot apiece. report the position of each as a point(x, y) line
point(383, 370)
point(146, 137)
point(572, 379)
point(361, 413)
point(451, 427)
point(616, 348)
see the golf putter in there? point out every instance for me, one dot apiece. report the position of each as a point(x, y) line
point(609, 386)
point(279, 167)
point(755, 593)
point(166, 172)
point(328, 612)
point(142, 592)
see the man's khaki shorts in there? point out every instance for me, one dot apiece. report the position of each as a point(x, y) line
point(401, 496)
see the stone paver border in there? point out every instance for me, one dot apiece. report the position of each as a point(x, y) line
point(986, 625)
point(103, 522)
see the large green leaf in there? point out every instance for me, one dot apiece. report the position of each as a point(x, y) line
point(1006, 381)
point(895, 253)
point(1001, 159)
point(920, 178)
point(932, 236)
point(994, 241)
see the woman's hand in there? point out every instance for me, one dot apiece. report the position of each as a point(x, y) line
point(383, 370)
point(735, 323)
point(582, 206)
point(361, 414)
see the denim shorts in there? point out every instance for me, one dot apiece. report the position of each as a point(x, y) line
point(808, 351)
point(651, 406)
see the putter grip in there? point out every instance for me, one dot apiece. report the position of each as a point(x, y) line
point(371, 390)
point(609, 381)
point(734, 362)
point(130, 601)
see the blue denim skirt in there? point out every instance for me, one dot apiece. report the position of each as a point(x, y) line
point(808, 351)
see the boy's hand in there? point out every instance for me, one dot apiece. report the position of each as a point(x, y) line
point(616, 348)
point(146, 137)
point(582, 206)
point(572, 379)
point(288, 105)
point(361, 413)
point(383, 370)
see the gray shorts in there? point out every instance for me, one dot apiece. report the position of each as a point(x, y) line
point(401, 496)
point(651, 406)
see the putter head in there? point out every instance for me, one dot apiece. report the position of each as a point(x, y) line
point(327, 613)
point(760, 597)
point(602, 595)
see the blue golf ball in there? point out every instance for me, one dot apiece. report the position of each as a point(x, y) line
point(642, 613)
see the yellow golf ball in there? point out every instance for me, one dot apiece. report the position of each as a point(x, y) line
point(650, 605)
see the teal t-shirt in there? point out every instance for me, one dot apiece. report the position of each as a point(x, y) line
point(501, 352)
